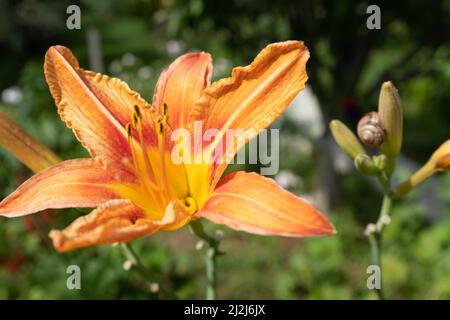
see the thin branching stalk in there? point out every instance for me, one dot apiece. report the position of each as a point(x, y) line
point(146, 274)
point(375, 235)
point(212, 252)
point(375, 244)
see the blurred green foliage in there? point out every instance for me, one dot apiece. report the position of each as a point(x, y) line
point(348, 63)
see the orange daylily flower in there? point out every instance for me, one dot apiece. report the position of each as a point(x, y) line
point(131, 180)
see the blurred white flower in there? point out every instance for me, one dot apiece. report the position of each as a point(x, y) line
point(145, 72)
point(128, 59)
point(115, 67)
point(222, 66)
point(160, 16)
point(302, 145)
point(12, 95)
point(175, 47)
point(341, 162)
point(305, 110)
point(287, 179)
point(310, 199)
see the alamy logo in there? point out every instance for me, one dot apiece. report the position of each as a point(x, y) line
point(74, 280)
point(374, 280)
point(214, 146)
point(374, 20)
point(74, 20)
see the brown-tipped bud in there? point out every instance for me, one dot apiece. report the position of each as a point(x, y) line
point(439, 161)
point(390, 111)
point(346, 139)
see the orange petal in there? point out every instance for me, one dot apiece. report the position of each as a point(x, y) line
point(252, 203)
point(176, 216)
point(255, 95)
point(97, 108)
point(72, 183)
point(24, 147)
point(113, 221)
point(180, 85)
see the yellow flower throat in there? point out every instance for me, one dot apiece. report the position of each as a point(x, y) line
point(161, 181)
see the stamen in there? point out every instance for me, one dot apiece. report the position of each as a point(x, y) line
point(136, 117)
point(166, 111)
point(165, 120)
point(135, 120)
point(160, 129)
point(149, 183)
point(128, 129)
point(137, 111)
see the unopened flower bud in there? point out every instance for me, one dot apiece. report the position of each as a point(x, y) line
point(370, 229)
point(218, 235)
point(442, 156)
point(127, 265)
point(380, 162)
point(439, 161)
point(199, 245)
point(365, 164)
point(346, 139)
point(154, 287)
point(390, 111)
point(24, 147)
point(385, 219)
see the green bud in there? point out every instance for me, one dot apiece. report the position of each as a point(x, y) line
point(346, 139)
point(365, 164)
point(380, 162)
point(390, 112)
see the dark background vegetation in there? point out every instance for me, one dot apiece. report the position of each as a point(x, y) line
point(138, 38)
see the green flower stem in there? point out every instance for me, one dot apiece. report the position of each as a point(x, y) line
point(131, 255)
point(137, 265)
point(212, 252)
point(375, 235)
point(384, 212)
point(375, 238)
point(211, 275)
point(375, 244)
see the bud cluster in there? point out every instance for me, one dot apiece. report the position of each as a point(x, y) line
point(384, 130)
